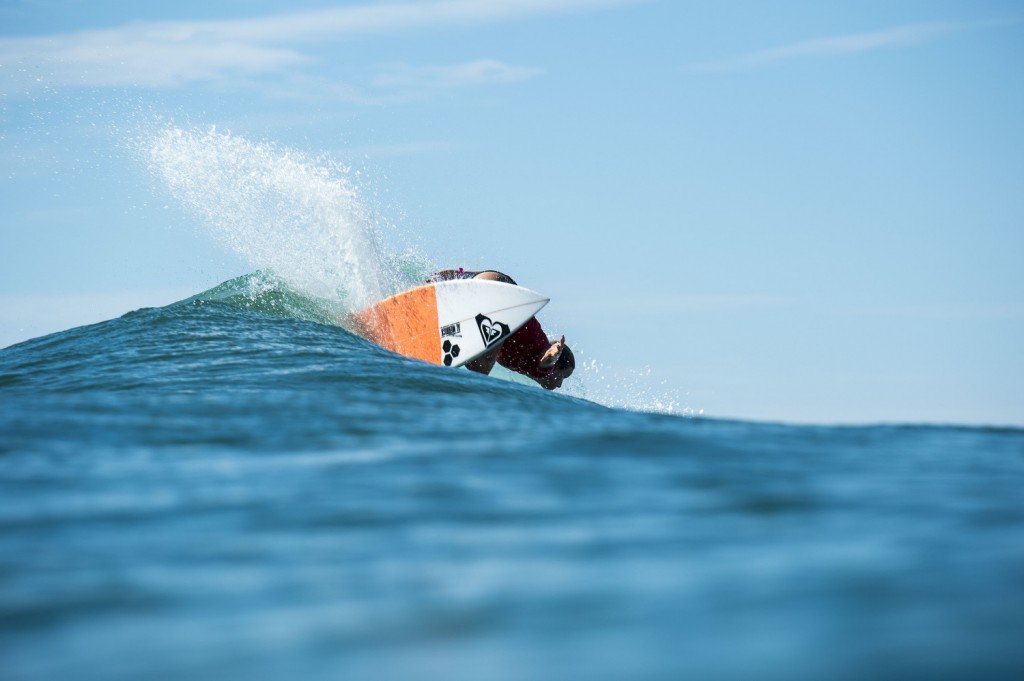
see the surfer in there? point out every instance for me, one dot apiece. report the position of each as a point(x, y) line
point(528, 351)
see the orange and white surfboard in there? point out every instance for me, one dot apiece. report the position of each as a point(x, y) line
point(448, 322)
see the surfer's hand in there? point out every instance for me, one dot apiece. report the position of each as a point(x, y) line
point(549, 358)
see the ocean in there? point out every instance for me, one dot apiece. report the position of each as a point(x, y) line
point(232, 487)
point(236, 487)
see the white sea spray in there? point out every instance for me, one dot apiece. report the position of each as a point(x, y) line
point(298, 216)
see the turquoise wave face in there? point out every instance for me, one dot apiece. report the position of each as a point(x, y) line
point(266, 293)
point(235, 486)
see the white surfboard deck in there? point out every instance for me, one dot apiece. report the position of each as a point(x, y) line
point(449, 322)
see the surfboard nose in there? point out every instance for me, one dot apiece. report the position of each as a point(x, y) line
point(464, 299)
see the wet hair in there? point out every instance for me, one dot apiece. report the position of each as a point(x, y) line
point(495, 275)
point(566, 363)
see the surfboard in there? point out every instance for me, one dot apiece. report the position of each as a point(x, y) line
point(448, 322)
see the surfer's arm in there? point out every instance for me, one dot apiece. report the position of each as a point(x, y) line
point(551, 355)
point(525, 349)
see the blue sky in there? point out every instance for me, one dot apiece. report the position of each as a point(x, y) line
point(802, 211)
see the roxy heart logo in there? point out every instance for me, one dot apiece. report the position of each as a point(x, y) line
point(491, 331)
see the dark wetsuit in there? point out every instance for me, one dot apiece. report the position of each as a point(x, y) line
point(448, 275)
point(524, 348)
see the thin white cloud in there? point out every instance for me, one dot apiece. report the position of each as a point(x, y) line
point(170, 54)
point(901, 36)
point(387, 84)
point(480, 72)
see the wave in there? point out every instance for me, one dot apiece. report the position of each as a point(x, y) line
point(268, 293)
point(319, 249)
point(214, 325)
point(247, 333)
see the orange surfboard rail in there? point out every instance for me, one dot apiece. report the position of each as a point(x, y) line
point(406, 324)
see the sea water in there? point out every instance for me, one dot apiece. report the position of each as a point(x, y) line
point(209, 491)
point(236, 487)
